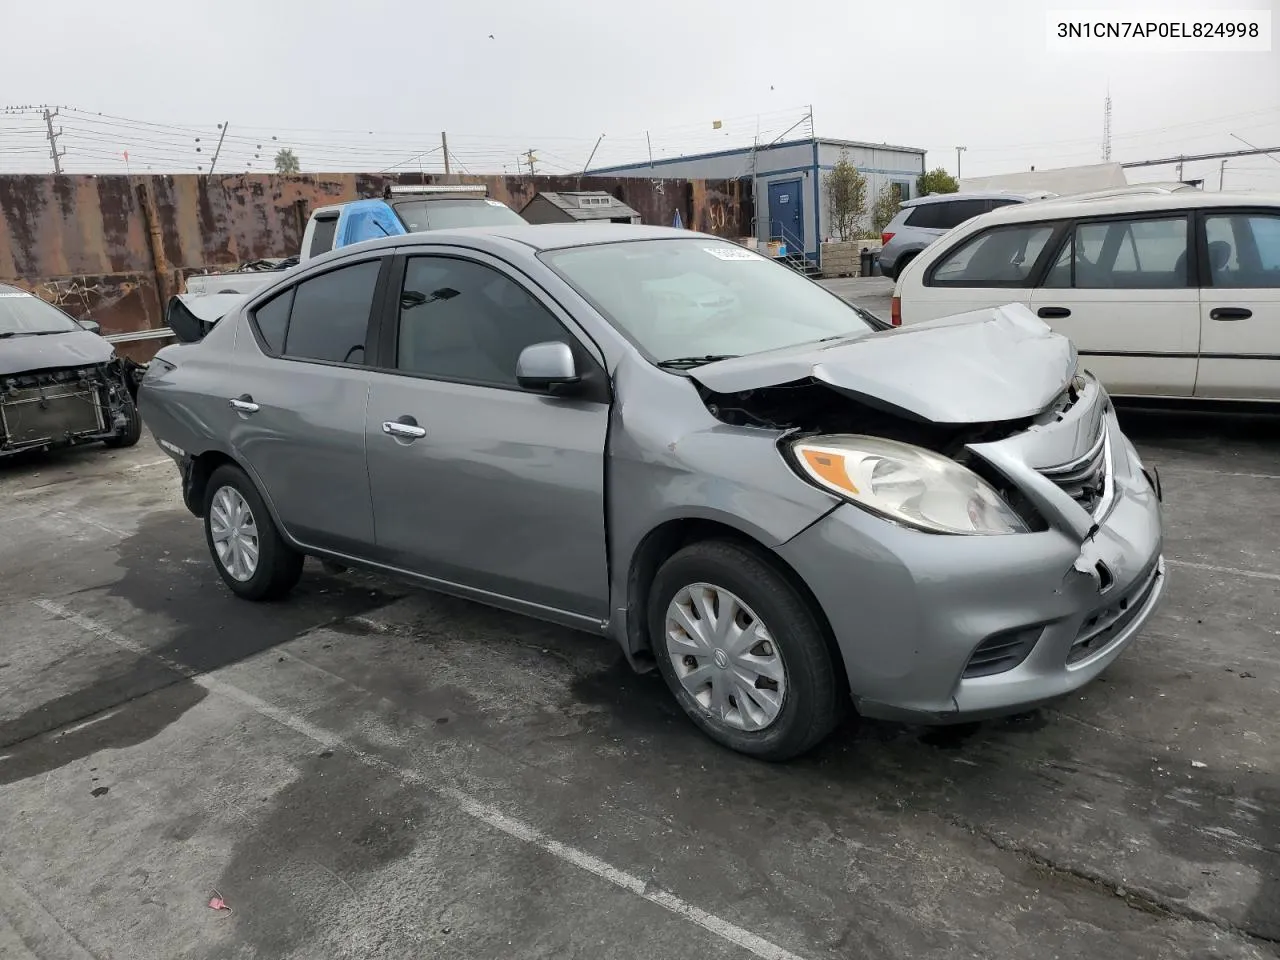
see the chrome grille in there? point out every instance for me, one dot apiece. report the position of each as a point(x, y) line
point(1087, 480)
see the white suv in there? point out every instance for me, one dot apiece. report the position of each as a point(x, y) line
point(1165, 295)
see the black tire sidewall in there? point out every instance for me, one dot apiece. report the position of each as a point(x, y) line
point(811, 706)
point(277, 566)
point(132, 431)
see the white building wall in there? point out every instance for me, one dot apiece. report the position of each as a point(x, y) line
point(880, 165)
point(801, 161)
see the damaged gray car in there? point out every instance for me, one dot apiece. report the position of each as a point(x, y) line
point(60, 383)
point(669, 440)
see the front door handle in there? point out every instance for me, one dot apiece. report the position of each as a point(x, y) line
point(243, 404)
point(402, 430)
point(1053, 313)
point(1230, 313)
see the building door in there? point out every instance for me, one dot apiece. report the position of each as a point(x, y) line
point(786, 216)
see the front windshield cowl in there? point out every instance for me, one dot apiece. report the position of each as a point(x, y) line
point(689, 301)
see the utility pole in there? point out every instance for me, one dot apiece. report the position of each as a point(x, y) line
point(1222, 172)
point(530, 159)
point(444, 146)
point(959, 150)
point(54, 152)
point(218, 149)
point(650, 145)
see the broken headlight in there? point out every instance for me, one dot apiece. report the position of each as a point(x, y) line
point(906, 484)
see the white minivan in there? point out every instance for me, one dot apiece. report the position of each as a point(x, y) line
point(1165, 295)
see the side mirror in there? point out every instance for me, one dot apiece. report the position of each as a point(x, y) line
point(92, 326)
point(547, 366)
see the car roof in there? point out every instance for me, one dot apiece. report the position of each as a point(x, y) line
point(541, 236)
point(1066, 207)
point(7, 288)
point(975, 195)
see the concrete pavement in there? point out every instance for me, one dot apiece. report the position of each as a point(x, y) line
point(368, 770)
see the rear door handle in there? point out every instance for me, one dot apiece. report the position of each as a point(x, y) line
point(402, 430)
point(1053, 313)
point(1230, 313)
point(243, 404)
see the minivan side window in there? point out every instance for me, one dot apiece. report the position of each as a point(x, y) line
point(1123, 255)
point(1244, 250)
point(461, 320)
point(330, 316)
point(999, 257)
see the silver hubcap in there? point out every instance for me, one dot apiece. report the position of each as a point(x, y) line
point(235, 533)
point(725, 657)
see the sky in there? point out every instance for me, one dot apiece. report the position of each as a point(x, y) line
point(372, 85)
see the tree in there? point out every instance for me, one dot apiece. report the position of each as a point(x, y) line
point(885, 208)
point(846, 192)
point(287, 161)
point(936, 181)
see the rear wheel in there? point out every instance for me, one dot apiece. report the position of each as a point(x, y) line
point(251, 556)
point(742, 652)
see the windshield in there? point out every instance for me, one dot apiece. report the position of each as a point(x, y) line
point(21, 314)
point(419, 215)
point(703, 298)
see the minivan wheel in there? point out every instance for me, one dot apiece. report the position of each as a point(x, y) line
point(742, 652)
point(251, 556)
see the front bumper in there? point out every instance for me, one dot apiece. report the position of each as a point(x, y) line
point(909, 609)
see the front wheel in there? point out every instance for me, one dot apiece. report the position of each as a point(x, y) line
point(742, 652)
point(251, 556)
point(132, 431)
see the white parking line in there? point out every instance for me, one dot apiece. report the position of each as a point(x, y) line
point(468, 804)
point(1231, 571)
point(152, 463)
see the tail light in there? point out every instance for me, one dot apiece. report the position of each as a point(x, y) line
point(895, 312)
point(886, 237)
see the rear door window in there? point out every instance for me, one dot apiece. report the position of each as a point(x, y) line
point(1123, 255)
point(1000, 257)
point(1244, 251)
point(330, 316)
point(956, 212)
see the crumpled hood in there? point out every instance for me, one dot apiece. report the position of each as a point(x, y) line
point(76, 348)
point(1001, 363)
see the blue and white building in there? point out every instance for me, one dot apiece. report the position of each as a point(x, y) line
point(790, 204)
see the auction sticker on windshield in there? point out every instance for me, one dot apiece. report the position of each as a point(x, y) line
point(732, 253)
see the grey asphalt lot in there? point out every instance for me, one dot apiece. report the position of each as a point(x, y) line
point(368, 770)
point(870, 293)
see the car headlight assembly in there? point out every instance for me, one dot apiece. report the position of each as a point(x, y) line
point(906, 484)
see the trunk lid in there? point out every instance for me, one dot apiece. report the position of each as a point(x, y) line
point(1000, 363)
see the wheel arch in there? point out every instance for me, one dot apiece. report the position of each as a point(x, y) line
point(669, 537)
point(195, 482)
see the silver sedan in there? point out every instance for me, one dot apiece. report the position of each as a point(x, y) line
point(666, 439)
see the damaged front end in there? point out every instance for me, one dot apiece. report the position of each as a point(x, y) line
point(997, 542)
point(45, 409)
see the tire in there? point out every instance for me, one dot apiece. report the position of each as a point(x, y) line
point(278, 567)
point(904, 261)
point(132, 430)
point(813, 692)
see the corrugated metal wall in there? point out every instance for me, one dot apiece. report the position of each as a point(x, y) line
point(114, 248)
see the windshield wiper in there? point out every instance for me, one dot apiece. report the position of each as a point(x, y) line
point(681, 363)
